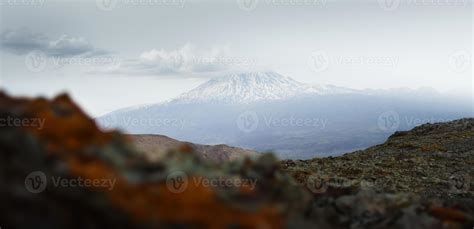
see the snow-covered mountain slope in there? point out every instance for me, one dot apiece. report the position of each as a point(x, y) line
point(251, 87)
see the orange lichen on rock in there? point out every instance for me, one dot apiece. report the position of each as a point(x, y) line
point(148, 202)
point(448, 214)
point(66, 126)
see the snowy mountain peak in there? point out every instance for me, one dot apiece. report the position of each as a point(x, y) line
point(255, 78)
point(246, 88)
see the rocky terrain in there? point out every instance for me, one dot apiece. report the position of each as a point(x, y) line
point(155, 148)
point(59, 170)
point(433, 160)
point(433, 163)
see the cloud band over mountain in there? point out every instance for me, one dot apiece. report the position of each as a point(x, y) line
point(22, 41)
point(185, 60)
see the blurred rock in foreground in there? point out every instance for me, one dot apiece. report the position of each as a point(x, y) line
point(58, 170)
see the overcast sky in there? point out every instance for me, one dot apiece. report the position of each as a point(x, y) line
point(110, 54)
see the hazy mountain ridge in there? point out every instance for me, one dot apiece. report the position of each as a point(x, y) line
point(155, 147)
point(268, 111)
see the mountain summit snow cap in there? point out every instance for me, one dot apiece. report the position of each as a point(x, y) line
point(246, 88)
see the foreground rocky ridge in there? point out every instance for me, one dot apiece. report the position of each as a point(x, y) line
point(183, 190)
point(433, 163)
